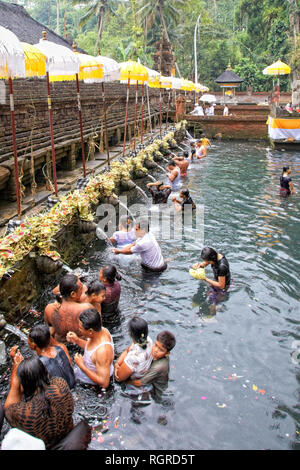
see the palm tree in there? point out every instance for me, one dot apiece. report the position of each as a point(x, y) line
point(164, 9)
point(95, 8)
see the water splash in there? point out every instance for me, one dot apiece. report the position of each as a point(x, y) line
point(102, 236)
point(142, 191)
point(16, 331)
point(152, 178)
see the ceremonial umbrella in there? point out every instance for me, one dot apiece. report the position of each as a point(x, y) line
point(12, 65)
point(62, 64)
point(90, 71)
point(161, 82)
point(132, 70)
point(278, 68)
point(152, 74)
point(111, 72)
point(208, 98)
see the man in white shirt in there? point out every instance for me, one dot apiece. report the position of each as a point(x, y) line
point(225, 110)
point(198, 110)
point(147, 247)
point(211, 110)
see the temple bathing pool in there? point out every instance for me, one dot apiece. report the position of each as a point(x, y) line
point(234, 377)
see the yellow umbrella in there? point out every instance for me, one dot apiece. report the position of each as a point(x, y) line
point(278, 68)
point(90, 68)
point(161, 82)
point(35, 61)
point(187, 85)
point(132, 70)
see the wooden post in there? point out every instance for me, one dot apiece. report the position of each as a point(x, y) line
point(105, 125)
point(142, 112)
point(126, 114)
point(135, 113)
point(13, 128)
point(51, 133)
point(80, 125)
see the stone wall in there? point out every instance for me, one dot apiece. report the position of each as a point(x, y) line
point(32, 124)
point(230, 127)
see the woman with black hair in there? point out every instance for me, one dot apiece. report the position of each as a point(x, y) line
point(109, 276)
point(186, 200)
point(220, 266)
point(36, 404)
point(286, 185)
point(136, 360)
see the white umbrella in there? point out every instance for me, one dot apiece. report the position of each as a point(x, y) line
point(111, 68)
point(208, 98)
point(12, 65)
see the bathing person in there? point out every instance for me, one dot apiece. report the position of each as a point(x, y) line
point(147, 247)
point(201, 151)
point(110, 277)
point(182, 163)
point(186, 200)
point(65, 317)
point(94, 294)
point(286, 185)
point(220, 266)
point(95, 366)
point(174, 176)
point(158, 374)
point(159, 192)
point(36, 404)
point(126, 234)
point(135, 361)
point(225, 110)
point(53, 355)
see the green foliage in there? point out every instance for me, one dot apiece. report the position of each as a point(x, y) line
point(251, 34)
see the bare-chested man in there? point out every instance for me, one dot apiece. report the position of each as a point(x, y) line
point(182, 163)
point(64, 317)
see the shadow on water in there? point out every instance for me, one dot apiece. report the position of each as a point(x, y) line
point(232, 371)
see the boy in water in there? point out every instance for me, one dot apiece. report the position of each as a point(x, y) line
point(158, 374)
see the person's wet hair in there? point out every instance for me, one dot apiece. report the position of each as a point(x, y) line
point(185, 154)
point(209, 254)
point(40, 335)
point(285, 169)
point(126, 221)
point(110, 273)
point(95, 287)
point(167, 339)
point(90, 318)
point(171, 164)
point(67, 285)
point(143, 223)
point(138, 329)
point(34, 377)
point(185, 193)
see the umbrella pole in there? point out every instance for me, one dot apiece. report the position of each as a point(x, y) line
point(142, 112)
point(105, 125)
point(51, 134)
point(13, 128)
point(149, 111)
point(135, 113)
point(168, 109)
point(160, 117)
point(126, 115)
point(80, 125)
